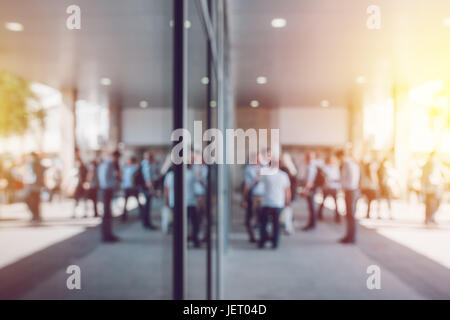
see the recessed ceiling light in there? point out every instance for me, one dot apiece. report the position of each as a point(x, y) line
point(325, 103)
point(279, 23)
point(261, 80)
point(254, 103)
point(205, 80)
point(447, 22)
point(213, 104)
point(14, 26)
point(143, 104)
point(361, 80)
point(105, 81)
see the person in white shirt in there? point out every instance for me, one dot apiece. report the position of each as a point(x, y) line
point(277, 195)
point(332, 185)
point(350, 174)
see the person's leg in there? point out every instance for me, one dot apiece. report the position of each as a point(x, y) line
point(288, 219)
point(35, 204)
point(337, 216)
point(135, 193)
point(437, 204)
point(256, 209)
point(389, 203)
point(149, 213)
point(263, 226)
point(126, 195)
point(248, 218)
point(145, 216)
point(319, 212)
point(365, 193)
point(427, 208)
point(107, 234)
point(369, 205)
point(354, 196)
point(29, 201)
point(201, 214)
point(196, 227)
point(94, 196)
point(312, 214)
point(349, 217)
point(193, 219)
point(165, 219)
point(431, 206)
point(275, 215)
point(75, 206)
point(78, 199)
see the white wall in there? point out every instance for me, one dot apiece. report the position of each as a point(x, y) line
point(313, 125)
point(152, 126)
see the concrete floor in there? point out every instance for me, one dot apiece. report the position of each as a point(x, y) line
point(413, 260)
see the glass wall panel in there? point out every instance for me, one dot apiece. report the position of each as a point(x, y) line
point(110, 61)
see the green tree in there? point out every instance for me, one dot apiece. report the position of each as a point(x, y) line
point(16, 113)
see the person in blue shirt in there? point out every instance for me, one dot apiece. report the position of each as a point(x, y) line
point(147, 190)
point(108, 181)
point(130, 176)
point(252, 194)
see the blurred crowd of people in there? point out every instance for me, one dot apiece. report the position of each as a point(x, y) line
point(97, 183)
point(266, 197)
point(336, 174)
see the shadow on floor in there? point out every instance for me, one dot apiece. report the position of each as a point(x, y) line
point(20, 277)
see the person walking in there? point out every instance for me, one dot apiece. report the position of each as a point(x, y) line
point(309, 190)
point(131, 173)
point(350, 174)
point(385, 183)
point(287, 215)
point(91, 186)
point(80, 179)
point(432, 187)
point(108, 178)
point(34, 182)
point(277, 195)
point(368, 184)
point(148, 190)
point(332, 185)
point(252, 193)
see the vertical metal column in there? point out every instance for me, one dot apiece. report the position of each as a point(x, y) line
point(221, 196)
point(209, 178)
point(179, 113)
